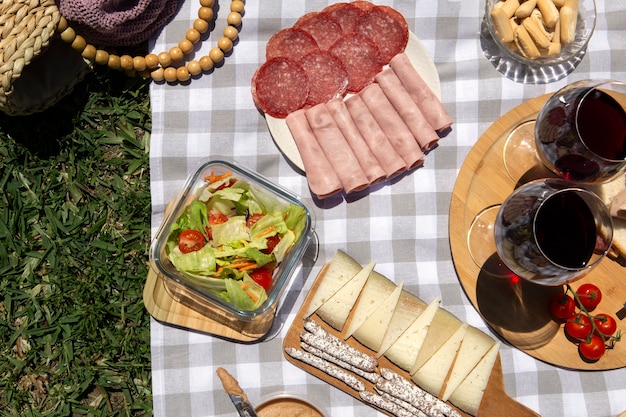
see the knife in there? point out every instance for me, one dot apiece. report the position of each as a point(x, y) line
point(236, 394)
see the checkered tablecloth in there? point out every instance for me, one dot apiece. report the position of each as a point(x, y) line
point(402, 225)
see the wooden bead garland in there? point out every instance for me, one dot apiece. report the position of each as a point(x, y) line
point(159, 66)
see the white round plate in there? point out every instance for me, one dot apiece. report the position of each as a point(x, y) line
point(419, 57)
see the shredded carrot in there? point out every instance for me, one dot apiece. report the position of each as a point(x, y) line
point(252, 296)
point(248, 267)
point(240, 265)
point(265, 232)
point(214, 178)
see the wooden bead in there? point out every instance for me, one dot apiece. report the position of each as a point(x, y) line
point(237, 6)
point(231, 32)
point(152, 61)
point(176, 54)
point(126, 62)
point(207, 3)
point(68, 35)
point(205, 13)
point(193, 35)
point(62, 25)
point(158, 74)
point(89, 53)
point(165, 59)
point(233, 18)
point(185, 46)
point(139, 63)
point(102, 57)
point(114, 62)
point(182, 74)
point(216, 55)
point(170, 74)
point(194, 67)
point(225, 44)
point(206, 63)
point(79, 43)
point(201, 25)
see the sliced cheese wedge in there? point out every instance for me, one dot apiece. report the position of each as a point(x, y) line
point(432, 375)
point(469, 393)
point(340, 270)
point(372, 331)
point(443, 326)
point(336, 309)
point(407, 310)
point(403, 352)
point(474, 346)
point(376, 289)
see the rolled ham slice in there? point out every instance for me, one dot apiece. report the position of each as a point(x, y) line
point(351, 133)
point(336, 149)
point(374, 137)
point(392, 124)
point(407, 109)
point(322, 179)
point(421, 93)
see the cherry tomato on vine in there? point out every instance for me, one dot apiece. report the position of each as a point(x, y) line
point(578, 326)
point(190, 241)
point(562, 306)
point(605, 324)
point(593, 349)
point(263, 277)
point(589, 296)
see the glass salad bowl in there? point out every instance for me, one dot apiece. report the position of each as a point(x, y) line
point(229, 245)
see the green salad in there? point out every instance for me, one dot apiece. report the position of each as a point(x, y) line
point(231, 238)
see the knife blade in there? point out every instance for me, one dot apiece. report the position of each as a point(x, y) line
point(236, 394)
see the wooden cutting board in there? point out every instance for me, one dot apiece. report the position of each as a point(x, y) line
point(519, 311)
point(495, 401)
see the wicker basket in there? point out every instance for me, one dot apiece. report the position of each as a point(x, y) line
point(31, 80)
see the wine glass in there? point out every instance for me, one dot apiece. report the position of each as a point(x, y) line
point(580, 132)
point(552, 232)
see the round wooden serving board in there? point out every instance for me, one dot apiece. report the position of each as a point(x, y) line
point(495, 401)
point(518, 311)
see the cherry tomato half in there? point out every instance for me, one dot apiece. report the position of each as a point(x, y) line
point(263, 277)
point(592, 350)
point(578, 326)
point(253, 219)
point(215, 218)
point(562, 306)
point(272, 241)
point(605, 324)
point(589, 296)
point(190, 241)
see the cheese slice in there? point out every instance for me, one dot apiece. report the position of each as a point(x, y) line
point(340, 270)
point(372, 331)
point(403, 352)
point(376, 289)
point(336, 309)
point(407, 310)
point(443, 326)
point(474, 346)
point(432, 375)
point(469, 393)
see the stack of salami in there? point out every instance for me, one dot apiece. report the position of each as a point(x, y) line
point(356, 107)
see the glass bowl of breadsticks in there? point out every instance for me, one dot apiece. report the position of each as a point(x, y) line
point(541, 32)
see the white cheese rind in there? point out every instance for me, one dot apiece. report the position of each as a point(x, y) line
point(432, 375)
point(336, 309)
point(376, 289)
point(340, 270)
point(469, 393)
point(372, 331)
point(403, 352)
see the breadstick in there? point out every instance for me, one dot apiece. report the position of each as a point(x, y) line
point(502, 25)
point(534, 27)
point(385, 404)
point(568, 16)
point(370, 376)
point(549, 13)
point(341, 351)
point(525, 43)
point(525, 9)
point(332, 370)
point(509, 7)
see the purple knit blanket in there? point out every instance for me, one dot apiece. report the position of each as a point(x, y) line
point(117, 22)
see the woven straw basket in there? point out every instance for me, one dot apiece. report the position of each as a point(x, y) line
point(31, 80)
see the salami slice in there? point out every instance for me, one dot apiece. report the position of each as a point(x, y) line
point(364, 5)
point(346, 14)
point(387, 28)
point(322, 27)
point(279, 87)
point(327, 76)
point(290, 43)
point(361, 58)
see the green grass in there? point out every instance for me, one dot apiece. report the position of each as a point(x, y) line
point(74, 239)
